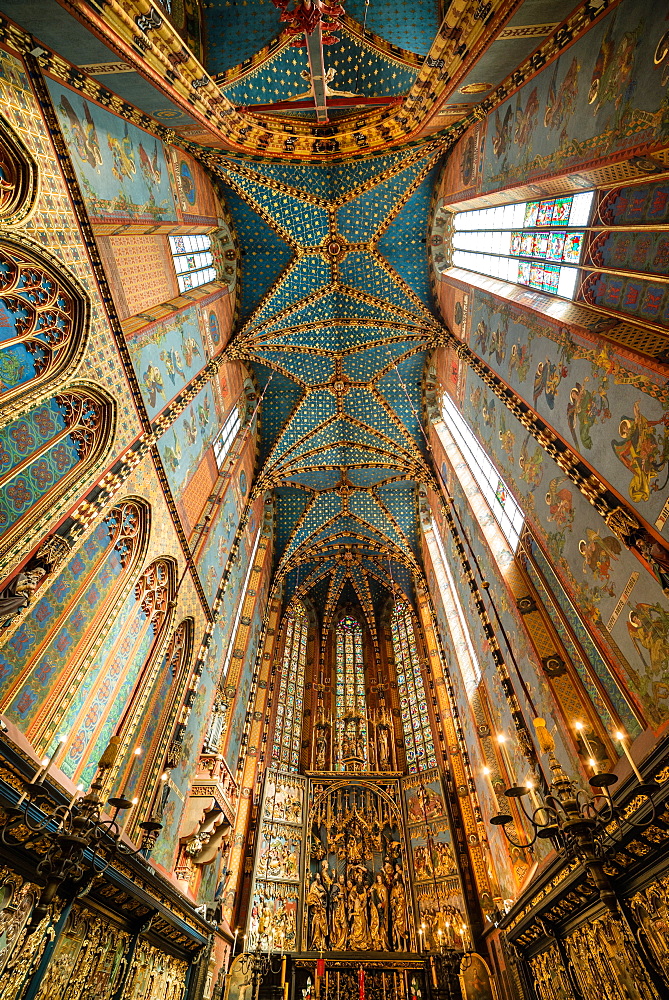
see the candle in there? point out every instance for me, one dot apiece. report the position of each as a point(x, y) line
point(234, 943)
point(127, 816)
point(533, 794)
point(501, 740)
point(586, 742)
point(623, 742)
point(449, 936)
point(48, 761)
point(77, 794)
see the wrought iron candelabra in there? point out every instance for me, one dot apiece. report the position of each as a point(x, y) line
point(578, 822)
point(257, 964)
point(77, 841)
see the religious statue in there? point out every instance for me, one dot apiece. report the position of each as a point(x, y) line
point(321, 749)
point(399, 914)
point(384, 748)
point(339, 917)
point(316, 899)
point(380, 941)
point(358, 896)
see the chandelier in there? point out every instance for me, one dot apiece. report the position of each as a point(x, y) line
point(77, 841)
point(580, 823)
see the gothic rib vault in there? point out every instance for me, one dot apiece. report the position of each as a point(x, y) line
point(335, 323)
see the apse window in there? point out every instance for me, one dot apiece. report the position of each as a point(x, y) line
point(193, 260)
point(506, 511)
point(535, 243)
point(226, 436)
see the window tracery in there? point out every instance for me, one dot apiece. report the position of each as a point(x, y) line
point(193, 260)
point(42, 454)
point(44, 319)
point(288, 728)
point(351, 710)
point(418, 739)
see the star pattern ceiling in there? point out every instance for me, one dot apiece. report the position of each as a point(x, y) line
point(335, 323)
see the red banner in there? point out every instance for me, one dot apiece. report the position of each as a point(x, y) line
point(320, 967)
point(361, 983)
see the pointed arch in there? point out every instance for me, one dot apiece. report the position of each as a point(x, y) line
point(290, 700)
point(44, 322)
point(45, 458)
point(418, 738)
point(71, 616)
point(18, 177)
point(159, 704)
point(110, 692)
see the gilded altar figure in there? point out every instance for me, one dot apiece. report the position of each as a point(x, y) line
point(380, 906)
point(384, 748)
point(359, 938)
point(339, 916)
point(316, 898)
point(399, 913)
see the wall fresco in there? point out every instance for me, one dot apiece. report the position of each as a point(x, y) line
point(122, 170)
point(182, 446)
point(595, 569)
point(166, 356)
point(602, 97)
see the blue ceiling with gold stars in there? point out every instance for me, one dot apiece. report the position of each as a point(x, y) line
point(335, 324)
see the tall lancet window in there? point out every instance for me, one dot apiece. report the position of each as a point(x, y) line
point(413, 705)
point(351, 728)
point(288, 730)
point(535, 243)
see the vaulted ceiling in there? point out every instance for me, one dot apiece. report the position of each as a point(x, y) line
point(335, 324)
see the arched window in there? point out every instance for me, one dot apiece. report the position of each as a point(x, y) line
point(351, 707)
point(288, 729)
point(97, 708)
point(153, 717)
point(418, 738)
point(46, 452)
point(193, 260)
point(44, 318)
point(535, 243)
point(69, 616)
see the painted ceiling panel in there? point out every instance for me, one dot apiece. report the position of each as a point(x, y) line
point(360, 404)
point(362, 271)
point(265, 254)
point(310, 368)
point(308, 274)
point(364, 365)
point(306, 223)
point(325, 479)
point(311, 413)
point(403, 242)
point(401, 501)
point(322, 508)
point(235, 32)
point(403, 22)
point(290, 506)
point(367, 509)
point(280, 399)
point(362, 70)
point(365, 213)
point(275, 79)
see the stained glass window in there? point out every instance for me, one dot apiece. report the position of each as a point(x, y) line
point(288, 729)
point(418, 738)
point(193, 260)
point(535, 243)
point(507, 513)
point(351, 709)
point(226, 436)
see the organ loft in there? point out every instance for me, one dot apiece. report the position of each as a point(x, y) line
point(334, 500)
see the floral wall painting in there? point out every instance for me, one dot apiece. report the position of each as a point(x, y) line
point(121, 169)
